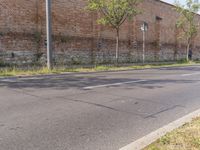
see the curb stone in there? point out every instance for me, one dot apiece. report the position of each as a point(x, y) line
point(155, 135)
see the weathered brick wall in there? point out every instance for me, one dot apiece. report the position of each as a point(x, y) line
point(78, 39)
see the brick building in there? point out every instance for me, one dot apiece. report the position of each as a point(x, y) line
point(78, 39)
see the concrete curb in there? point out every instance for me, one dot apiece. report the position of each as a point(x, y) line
point(152, 137)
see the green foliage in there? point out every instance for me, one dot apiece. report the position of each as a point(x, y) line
point(182, 61)
point(165, 140)
point(196, 142)
point(114, 12)
point(35, 70)
point(154, 148)
point(187, 20)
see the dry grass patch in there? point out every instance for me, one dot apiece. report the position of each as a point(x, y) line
point(58, 70)
point(186, 137)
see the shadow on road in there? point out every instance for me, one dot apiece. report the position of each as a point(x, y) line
point(191, 68)
point(81, 82)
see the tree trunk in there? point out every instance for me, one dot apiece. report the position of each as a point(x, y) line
point(117, 47)
point(187, 52)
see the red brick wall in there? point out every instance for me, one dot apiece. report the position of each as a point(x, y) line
point(79, 39)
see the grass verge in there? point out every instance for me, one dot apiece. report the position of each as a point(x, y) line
point(186, 137)
point(24, 72)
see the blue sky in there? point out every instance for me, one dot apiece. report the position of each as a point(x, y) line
point(172, 1)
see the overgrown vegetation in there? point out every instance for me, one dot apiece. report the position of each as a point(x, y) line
point(12, 71)
point(186, 137)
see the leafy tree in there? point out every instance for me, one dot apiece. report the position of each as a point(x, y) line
point(187, 22)
point(114, 13)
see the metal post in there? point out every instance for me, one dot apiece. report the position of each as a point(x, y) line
point(49, 34)
point(143, 54)
point(144, 29)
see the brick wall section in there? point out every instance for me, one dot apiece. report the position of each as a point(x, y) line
point(78, 39)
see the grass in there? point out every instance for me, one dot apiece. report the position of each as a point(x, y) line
point(186, 137)
point(12, 71)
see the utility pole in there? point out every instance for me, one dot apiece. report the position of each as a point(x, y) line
point(143, 51)
point(144, 29)
point(49, 34)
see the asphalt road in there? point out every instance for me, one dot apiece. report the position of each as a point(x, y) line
point(93, 111)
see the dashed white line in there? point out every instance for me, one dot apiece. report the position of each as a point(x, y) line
point(8, 80)
point(128, 82)
point(191, 74)
point(112, 84)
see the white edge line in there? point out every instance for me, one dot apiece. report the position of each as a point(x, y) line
point(184, 75)
point(152, 137)
point(107, 85)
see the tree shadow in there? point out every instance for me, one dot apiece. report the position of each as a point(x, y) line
point(191, 68)
point(67, 82)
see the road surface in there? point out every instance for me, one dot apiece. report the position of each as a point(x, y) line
point(93, 111)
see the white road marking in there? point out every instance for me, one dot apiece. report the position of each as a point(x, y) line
point(113, 84)
point(8, 80)
point(128, 82)
point(191, 74)
point(32, 78)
